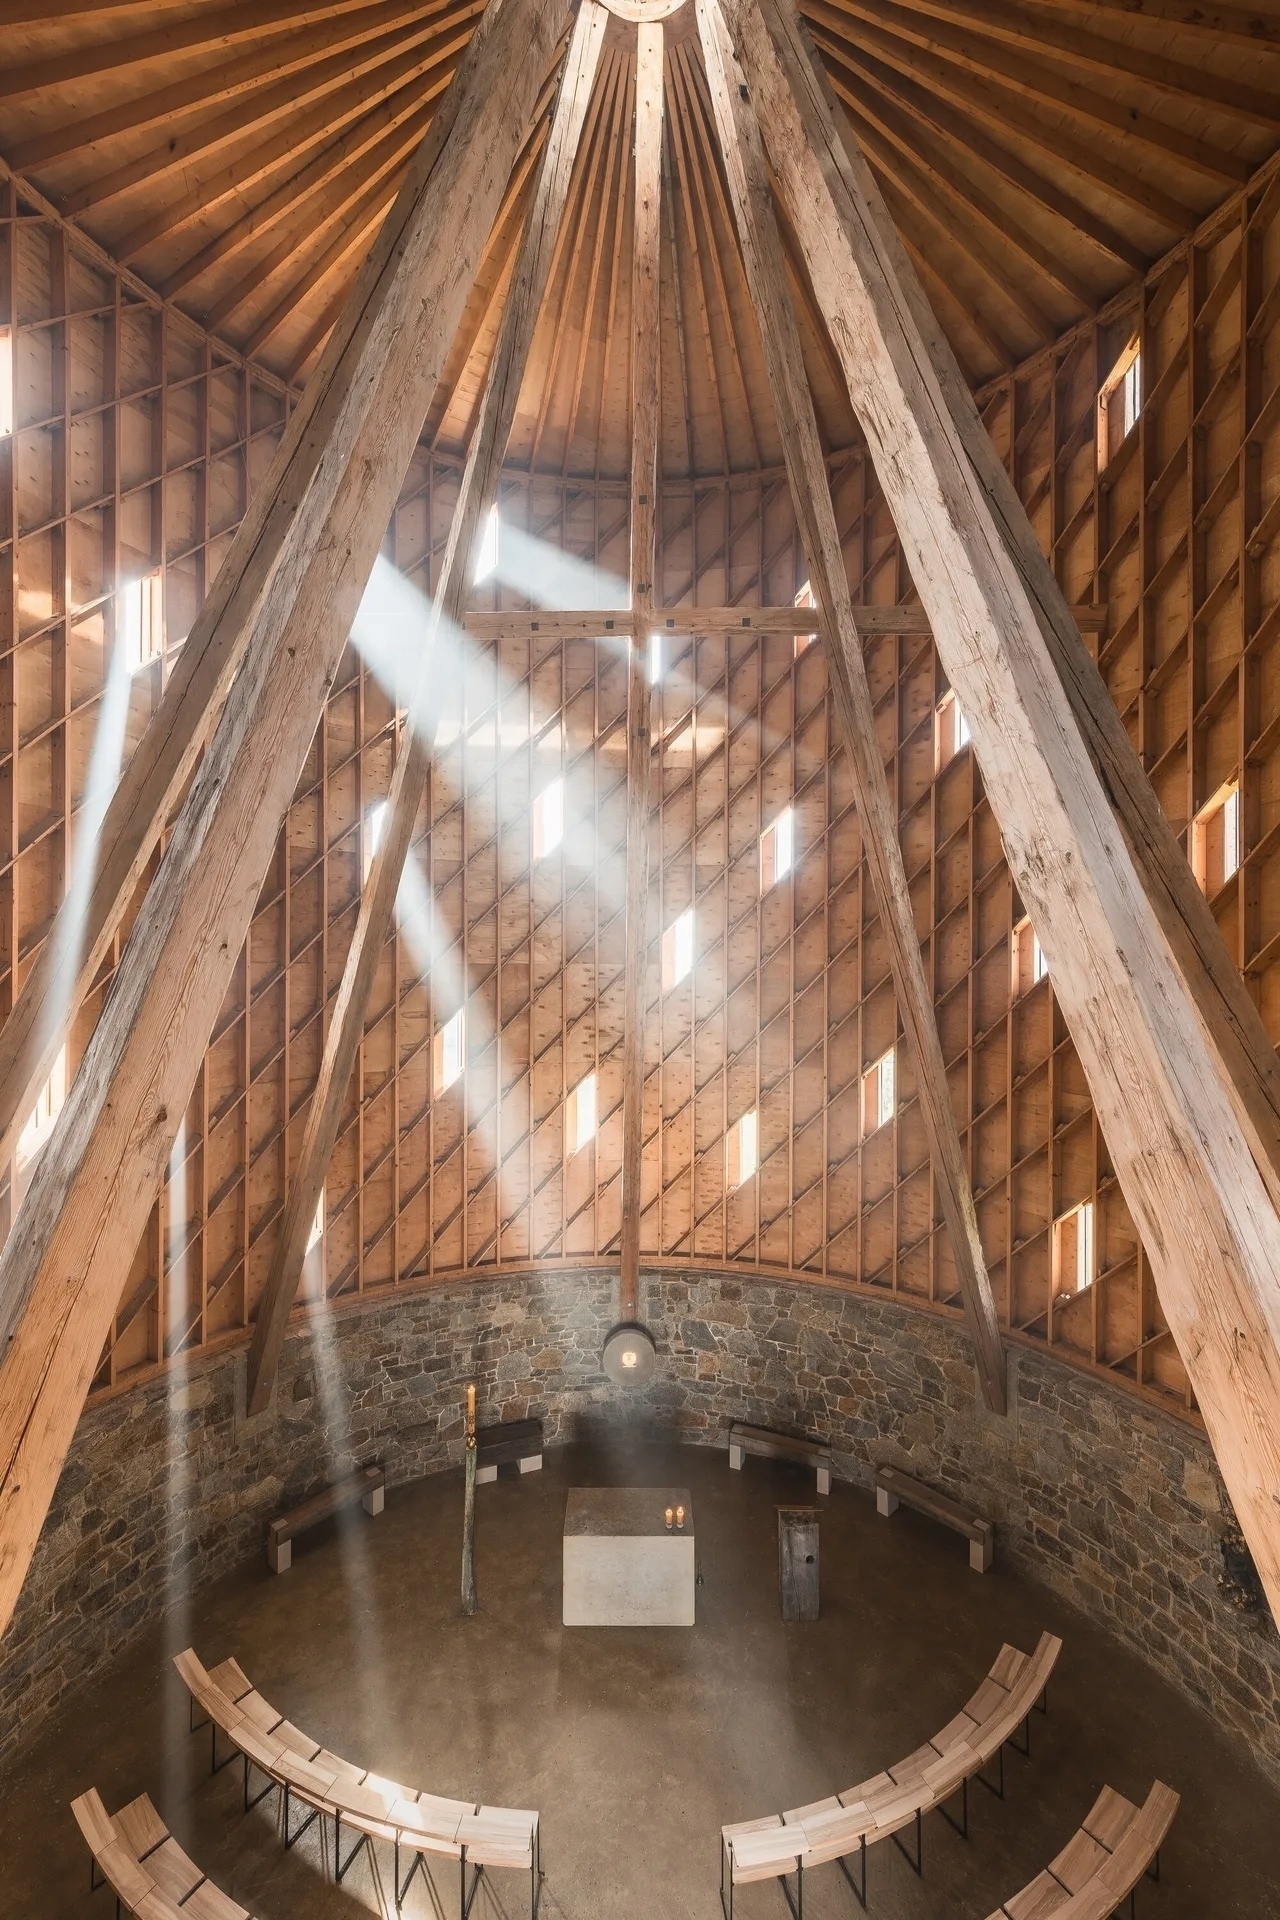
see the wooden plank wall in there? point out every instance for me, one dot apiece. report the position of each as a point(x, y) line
point(147, 452)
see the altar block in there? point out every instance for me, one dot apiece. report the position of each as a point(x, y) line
point(621, 1566)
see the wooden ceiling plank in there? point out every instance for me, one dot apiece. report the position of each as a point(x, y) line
point(280, 611)
point(617, 177)
point(571, 237)
point(207, 88)
point(684, 172)
point(1100, 53)
point(1184, 1081)
point(919, 234)
point(915, 141)
point(942, 207)
point(288, 145)
point(992, 60)
point(1248, 25)
point(606, 175)
point(669, 216)
point(376, 916)
point(307, 208)
point(962, 133)
point(372, 77)
point(216, 31)
point(646, 437)
point(347, 241)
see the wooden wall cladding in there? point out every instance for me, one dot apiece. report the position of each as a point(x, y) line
point(139, 441)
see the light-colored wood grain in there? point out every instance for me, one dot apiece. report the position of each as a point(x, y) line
point(377, 906)
point(646, 406)
point(1179, 1068)
point(747, 174)
point(95, 1182)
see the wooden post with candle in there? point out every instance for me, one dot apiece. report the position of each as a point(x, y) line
point(469, 1510)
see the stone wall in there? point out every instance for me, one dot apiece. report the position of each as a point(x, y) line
point(1111, 1504)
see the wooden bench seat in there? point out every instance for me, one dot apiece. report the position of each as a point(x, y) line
point(142, 1863)
point(370, 1806)
point(894, 1486)
point(367, 1486)
point(1102, 1863)
point(883, 1806)
point(768, 1445)
point(514, 1442)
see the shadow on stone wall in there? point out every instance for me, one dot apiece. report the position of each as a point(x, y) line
point(1114, 1506)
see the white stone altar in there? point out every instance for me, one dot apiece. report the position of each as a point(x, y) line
point(621, 1566)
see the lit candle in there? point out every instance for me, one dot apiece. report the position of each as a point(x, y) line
point(471, 1408)
point(679, 1516)
point(667, 1516)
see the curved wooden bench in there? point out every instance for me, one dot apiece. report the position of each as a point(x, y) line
point(142, 1863)
point(880, 1808)
point(423, 1825)
point(1102, 1863)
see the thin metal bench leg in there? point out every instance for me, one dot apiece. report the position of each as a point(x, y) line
point(341, 1866)
point(292, 1840)
point(998, 1791)
point(467, 1898)
point(1153, 1871)
point(960, 1826)
point(1043, 1702)
point(249, 1804)
point(1025, 1748)
point(860, 1897)
point(916, 1865)
point(796, 1905)
point(417, 1867)
point(94, 1881)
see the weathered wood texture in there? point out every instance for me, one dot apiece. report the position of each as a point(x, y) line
point(419, 1192)
point(439, 659)
point(1177, 1060)
point(747, 173)
point(94, 1184)
point(646, 408)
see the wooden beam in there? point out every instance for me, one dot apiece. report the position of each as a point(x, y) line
point(621, 620)
point(294, 577)
point(747, 174)
point(409, 783)
point(646, 396)
point(1184, 1081)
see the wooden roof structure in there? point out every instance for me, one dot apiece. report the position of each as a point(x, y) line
point(659, 245)
point(239, 159)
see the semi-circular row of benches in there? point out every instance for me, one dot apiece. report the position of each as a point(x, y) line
point(880, 1808)
point(142, 1863)
point(421, 1824)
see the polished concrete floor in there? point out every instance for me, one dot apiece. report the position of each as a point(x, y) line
point(637, 1744)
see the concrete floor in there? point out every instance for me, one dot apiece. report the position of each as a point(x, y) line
point(637, 1744)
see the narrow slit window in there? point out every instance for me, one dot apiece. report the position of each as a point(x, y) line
point(1119, 403)
point(315, 1233)
point(40, 1122)
point(777, 849)
point(487, 558)
point(548, 820)
point(313, 1264)
point(805, 598)
point(1074, 1266)
point(450, 1051)
point(655, 659)
point(141, 614)
point(742, 1149)
point(580, 1114)
point(879, 1093)
point(374, 821)
point(1029, 965)
point(1215, 839)
point(6, 383)
point(677, 951)
point(950, 730)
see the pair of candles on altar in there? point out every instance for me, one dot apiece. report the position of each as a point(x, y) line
point(677, 1515)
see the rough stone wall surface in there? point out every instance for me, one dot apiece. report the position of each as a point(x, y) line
point(1116, 1507)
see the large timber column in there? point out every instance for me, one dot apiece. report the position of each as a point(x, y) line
point(644, 482)
point(748, 178)
point(377, 905)
point(96, 1181)
point(1182, 1075)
